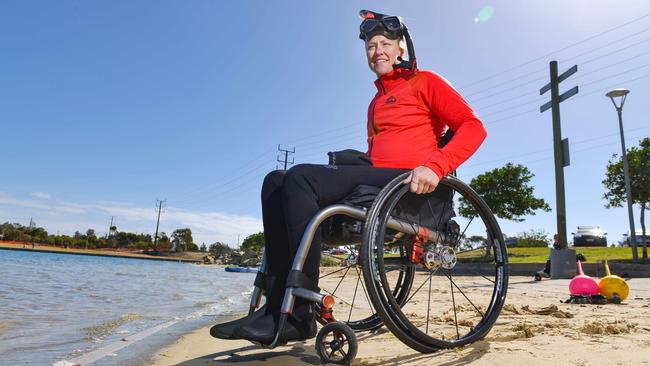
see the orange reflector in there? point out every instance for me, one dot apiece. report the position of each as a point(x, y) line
point(328, 301)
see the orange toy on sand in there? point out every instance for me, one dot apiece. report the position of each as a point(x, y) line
point(582, 284)
point(613, 287)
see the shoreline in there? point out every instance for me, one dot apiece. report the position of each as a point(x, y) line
point(589, 335)
point(91, 252)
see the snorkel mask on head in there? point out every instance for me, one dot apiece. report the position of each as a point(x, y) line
point(391, 27)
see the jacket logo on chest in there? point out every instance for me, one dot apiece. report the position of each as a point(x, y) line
point(391, 100)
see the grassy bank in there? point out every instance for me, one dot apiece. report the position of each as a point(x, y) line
point(539, 255)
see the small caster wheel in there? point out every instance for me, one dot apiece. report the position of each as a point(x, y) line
point(538, 277)
point(337, 344)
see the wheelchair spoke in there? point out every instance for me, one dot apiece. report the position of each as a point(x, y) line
point(428, 306)
point(336, 296)
point(342, 278)
point(462, 293)
point(372, 309)
point(354, 296)
point(333, 272)
point(479, 274)
point(425, 281)
point(453, 304)
point(444, 207)
point(463, 233)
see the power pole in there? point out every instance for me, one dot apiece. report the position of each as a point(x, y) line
point(562, 260)
point(560, 146)
point(286, 156)
point(159, 208)
point(110, 228)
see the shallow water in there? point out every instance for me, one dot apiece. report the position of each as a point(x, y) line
point(59, 307)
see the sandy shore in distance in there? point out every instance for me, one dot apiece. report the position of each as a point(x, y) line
point(535, 328)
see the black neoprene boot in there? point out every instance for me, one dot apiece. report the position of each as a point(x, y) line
point(300, 325)
point(226, 330)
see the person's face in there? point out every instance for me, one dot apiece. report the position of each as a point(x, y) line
point(382, 54)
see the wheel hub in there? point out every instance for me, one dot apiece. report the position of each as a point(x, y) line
point(335, 345)
point(439, 256)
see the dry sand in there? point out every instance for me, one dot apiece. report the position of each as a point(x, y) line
point(534, 328)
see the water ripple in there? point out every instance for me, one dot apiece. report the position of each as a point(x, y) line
point(77, 303)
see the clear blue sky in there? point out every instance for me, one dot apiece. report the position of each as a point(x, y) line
point(107, 105)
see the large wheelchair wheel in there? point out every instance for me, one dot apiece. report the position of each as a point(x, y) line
point(345, 283)
point(460, 285)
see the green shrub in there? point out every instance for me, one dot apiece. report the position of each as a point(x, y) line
point(327, 261)
point(533, 238)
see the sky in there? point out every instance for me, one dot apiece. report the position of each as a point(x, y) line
point(107, 106)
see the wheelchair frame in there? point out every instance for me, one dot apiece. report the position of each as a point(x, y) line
point(325, 302)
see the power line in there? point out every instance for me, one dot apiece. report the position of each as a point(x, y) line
point(220, 187)
point(572, 59)
point(228, 179)
point(577, 77)
point(557, 51)
point(599, 58)
point(506, 158)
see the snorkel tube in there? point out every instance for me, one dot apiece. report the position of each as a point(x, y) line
point(392, 27)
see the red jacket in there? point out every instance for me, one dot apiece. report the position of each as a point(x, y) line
point(410, 113)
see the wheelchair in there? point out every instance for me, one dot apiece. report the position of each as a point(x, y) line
point(403, 268)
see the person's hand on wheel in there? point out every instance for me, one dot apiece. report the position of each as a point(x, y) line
point(422, 180)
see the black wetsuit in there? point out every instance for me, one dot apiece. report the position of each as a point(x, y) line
point(291, 198)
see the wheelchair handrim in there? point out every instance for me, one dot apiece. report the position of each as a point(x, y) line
point(386, 305)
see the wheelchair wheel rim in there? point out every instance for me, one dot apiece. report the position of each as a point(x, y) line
point(401, 324)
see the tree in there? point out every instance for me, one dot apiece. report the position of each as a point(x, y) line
point(254, 242)
point(474, 241)
point(638, 160)
point(203, 248)
point(164, 244)
point(533, 238)
point(182, 240)
point(507, 192)
point(219, 249)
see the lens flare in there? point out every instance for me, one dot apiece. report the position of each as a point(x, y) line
point(485, 14)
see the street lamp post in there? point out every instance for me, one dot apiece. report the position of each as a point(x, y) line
point(622, 94)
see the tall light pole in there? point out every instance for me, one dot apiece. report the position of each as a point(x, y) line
point(622, 93)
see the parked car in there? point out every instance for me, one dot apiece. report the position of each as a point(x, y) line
point(589, 236)
point(340, 250)
point(638, 238)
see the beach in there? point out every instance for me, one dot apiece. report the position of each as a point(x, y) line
point(189, 257)
point(535, 328)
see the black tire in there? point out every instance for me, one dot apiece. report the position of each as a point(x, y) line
point(487, 294)
point(353, 306)
point(333, 340)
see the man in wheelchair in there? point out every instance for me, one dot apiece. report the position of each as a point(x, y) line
point(407, 120)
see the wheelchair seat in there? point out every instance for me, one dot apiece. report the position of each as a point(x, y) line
point(433, 211)
point(423, 209)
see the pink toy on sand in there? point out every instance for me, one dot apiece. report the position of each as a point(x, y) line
point(582, 284)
